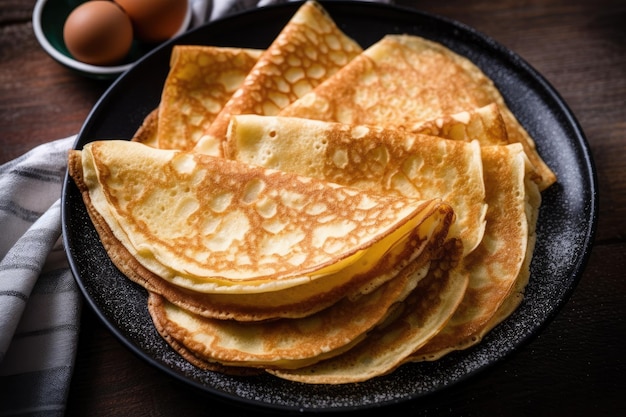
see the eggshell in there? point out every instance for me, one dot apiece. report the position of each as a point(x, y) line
point(155, 20)
point(98, 32)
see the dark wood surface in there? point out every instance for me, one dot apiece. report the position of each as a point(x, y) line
point(575, 367)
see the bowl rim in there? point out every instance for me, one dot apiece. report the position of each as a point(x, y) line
point(76, 64)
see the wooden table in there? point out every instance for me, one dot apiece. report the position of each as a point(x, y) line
point(576, 366)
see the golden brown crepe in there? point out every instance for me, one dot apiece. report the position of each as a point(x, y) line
point(200, 81)
point(214, 225)
point(309, 49)
point(384, 160)
point(516, 295)
point(484, 124)
point(310, 148)
point(414, 322)
point(285, 343)
point(155, 304)
point(403, 79)
point(499, 267)
point(293, 302)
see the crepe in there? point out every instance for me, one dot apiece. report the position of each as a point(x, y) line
point(516, 294)
point(499, 268)
point(403, 79)
point(414, 322)
point(155, 302)
point(284, 343)
point(494, 269)
point(484, 124)
point(214, 225)
point(384, 160)
point(294, 302)
point(309, 49)
point(200, 81)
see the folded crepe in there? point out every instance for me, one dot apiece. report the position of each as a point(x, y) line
point(293, 302)
point(455, 315)
point(308, 50)
point(384, 160)
point(404, 79)
point(414, 322)
point(283, 343)
point(200, 81)
point(404, 321)
point(503, 167)
point(213, 225)
point(500, 266)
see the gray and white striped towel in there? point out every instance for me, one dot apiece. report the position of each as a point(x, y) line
point(40, 302)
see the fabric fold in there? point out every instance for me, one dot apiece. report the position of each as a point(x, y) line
point(40, 302)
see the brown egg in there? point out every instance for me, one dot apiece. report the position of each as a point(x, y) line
point(155, 20)
point(98, 32)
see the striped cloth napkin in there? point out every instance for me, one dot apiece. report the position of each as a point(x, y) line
point(39, 300)
point(40, 303)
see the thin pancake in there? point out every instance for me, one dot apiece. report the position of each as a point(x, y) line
point(371, 158)
point(403, 79)
point(484, 124)
point(308, 50)
point(285, 343)
point(200, 82)
point(294, 302)
point(516, 295)
point(416, 320)
point(214, 225)
point(155, 306)
point(501, 261)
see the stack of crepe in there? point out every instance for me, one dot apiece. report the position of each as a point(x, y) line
point(317, 211)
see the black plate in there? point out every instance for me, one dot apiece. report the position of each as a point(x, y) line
point(565, 230)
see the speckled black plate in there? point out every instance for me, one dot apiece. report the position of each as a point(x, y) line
point(565, 230)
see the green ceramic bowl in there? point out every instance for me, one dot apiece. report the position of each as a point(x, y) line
point(48, 20)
